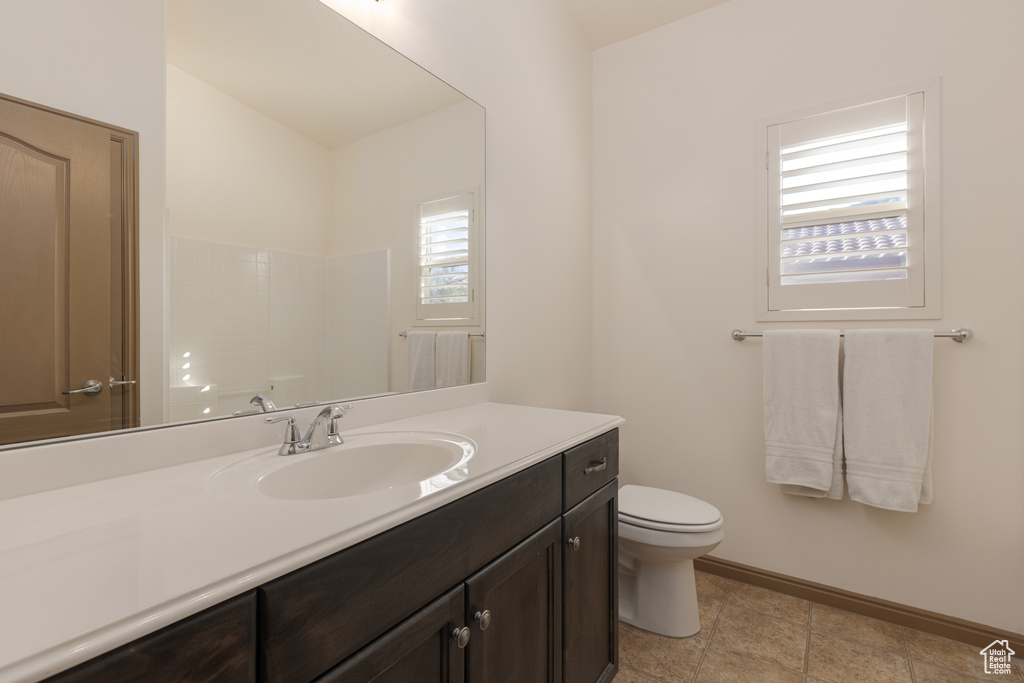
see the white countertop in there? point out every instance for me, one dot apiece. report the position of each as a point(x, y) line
point(87, 568)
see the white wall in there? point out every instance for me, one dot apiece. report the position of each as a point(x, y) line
point(674, 189)
point(235, 176)
point(71, 56)
point(529, 66)
point(379, 182)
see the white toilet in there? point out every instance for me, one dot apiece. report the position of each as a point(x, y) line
point(660, 533)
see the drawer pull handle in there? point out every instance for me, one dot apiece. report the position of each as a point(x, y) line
point(483, 618)
point(574, 543)
point(597, 467)
point(461, 636)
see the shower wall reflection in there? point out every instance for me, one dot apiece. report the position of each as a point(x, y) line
point(292, 327)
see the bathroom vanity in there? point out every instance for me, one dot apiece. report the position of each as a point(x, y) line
point(506, 575)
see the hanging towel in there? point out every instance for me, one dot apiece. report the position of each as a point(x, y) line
point(887, 397)
point(419, 359)
point(802, 423)
point(452, 359)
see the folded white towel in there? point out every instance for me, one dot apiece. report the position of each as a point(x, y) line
point(887, 398)
point(419, 360)
point(452, 359)
point(802, 423)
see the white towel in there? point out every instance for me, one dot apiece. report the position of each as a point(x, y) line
point(452, 359)
point(419, 360)
point(802, 413)
point(887, 397)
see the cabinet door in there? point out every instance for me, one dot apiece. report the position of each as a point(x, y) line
point(590, 588)
point(514, 610)
point(423, 648)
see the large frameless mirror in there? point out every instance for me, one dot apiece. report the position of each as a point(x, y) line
point(324, 215)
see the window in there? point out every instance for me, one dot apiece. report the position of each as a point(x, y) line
point(851, 209)
point(448, 274)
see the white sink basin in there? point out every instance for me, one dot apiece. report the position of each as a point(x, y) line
point(369, 463)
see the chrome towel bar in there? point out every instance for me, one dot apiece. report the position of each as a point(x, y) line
point(405, 333)
point(959, 334)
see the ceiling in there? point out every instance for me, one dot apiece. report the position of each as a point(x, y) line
point(604, 22)
point(303, 65)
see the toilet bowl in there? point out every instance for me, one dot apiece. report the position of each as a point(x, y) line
point(660, 534)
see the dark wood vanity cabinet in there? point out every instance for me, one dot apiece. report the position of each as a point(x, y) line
point(514, 583)
point(315, 617)
point(425, 647)
point(218, 644)
point(544, 611)
point(590, 605)
point(513, 608)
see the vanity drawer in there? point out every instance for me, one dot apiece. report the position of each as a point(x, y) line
point(316, 616)
point(589, 466)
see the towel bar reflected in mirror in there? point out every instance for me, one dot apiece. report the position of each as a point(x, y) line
point(405, 333)
point(958, 334)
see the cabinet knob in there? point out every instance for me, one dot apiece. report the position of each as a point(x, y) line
point(598, 466)
point(483, 619)
point(574, 543)
point(461, 636)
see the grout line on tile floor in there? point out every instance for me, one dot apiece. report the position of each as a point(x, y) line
point(807, 645)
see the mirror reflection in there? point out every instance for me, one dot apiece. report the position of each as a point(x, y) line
point(324, 225)
point(298, 177)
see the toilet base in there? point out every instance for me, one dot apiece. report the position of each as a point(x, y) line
point(660, 597)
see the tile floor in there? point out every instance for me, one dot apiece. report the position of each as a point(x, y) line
point(757, 635)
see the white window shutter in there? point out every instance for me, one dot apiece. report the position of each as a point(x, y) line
point(446, 260)
point(845, 209)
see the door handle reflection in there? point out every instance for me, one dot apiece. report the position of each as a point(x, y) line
point(90, 388)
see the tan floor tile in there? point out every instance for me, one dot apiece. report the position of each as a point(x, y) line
point(761, 635)
point(725, 665)
point(771, 602)
point(841, 661)
point(627, 675)
point(708, 609)
point(949, 654)
point(713, 586)
point(875, 633)
point(669, 659)
point(929, 673)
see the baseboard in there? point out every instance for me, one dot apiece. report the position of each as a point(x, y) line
point(902, 615)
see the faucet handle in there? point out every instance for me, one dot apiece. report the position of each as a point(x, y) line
point(337, 412)
point(291, 435)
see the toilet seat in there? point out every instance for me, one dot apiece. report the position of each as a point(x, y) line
point(662, 510)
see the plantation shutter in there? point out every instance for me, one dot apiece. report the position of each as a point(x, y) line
point(446, 263)
point(846, 208)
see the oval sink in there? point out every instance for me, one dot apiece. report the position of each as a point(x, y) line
point(369, 463)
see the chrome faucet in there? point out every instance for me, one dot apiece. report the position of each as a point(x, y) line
point(263, 403)
point(322, 433)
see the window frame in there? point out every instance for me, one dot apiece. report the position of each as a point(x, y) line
point(924, 260)
point(465, 314)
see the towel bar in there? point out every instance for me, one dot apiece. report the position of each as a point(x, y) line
point(405, 333)
point(959, 334)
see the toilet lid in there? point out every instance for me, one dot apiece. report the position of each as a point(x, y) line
point(640, 504)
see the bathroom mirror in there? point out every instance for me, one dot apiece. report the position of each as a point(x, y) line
point(300, 154)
